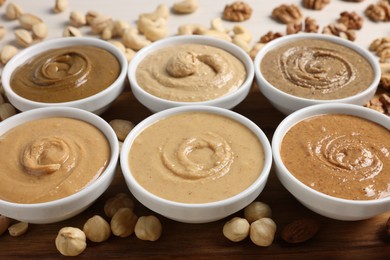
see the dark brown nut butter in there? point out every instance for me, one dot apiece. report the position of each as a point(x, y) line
point(65, 74)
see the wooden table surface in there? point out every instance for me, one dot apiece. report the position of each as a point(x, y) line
point(335, 240)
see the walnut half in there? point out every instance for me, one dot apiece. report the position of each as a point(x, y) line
point(315, 4)
point(237, 12)
point(287, 13)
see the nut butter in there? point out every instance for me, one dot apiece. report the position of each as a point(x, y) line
point(50, 158)
point(340, 155)
point(65, 74)
point(196, 157)
point(317, 69)
point(190, 73)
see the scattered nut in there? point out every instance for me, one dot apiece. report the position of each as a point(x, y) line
point(381, 47)
point(216, 24)
point(77, 19)
point(148, 228)
point(243, 33)
point(237, 12)
point(119, 27)
point(236, 229)
point(185, 6)
point(4, 224)
point(121, 127)
point(133, 40)
point(340, 30)
point(6, 111)
point(379, 12)
point(60, 6)
point(100, 22)
point(262, 232)
point(294, 27)
point(23, 37)
point(311, 25)
point(90, 16)
point(70, 31)
point(2, 31)
point(315, 4)
point(39, 31)
point(13, 11)
point(123, 222)
point(18, 229)
point(97, 229)
point(287, 13)
point(189, 29)
point(376, 104)
point(257, 210)
point(7, 53)
point(351, 20)
point(129, 53)
point(156, 30)
point(120, 200)
point(27, 20)
point(269, 36)
point(300, 230)
point(240, 42)
point(71, 241)
point(255, 49)
point(216, 34)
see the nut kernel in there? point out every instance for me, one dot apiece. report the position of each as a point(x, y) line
point(18, 229)
point(148, 228)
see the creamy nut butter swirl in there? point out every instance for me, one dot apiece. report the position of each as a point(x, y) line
point(190, 73)
point(317, 69)
point(196, 157)
point(65, 74)
point(340, 155)
point(51, 158)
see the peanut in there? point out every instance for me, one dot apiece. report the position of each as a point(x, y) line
point(18, 229)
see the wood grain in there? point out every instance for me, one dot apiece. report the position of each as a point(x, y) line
point(336, 239)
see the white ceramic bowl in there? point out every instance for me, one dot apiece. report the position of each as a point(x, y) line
point(323, 204)
point(287, 103)
point(197, 212)
point(155, 104)
point(61, 209)
point(97, 103)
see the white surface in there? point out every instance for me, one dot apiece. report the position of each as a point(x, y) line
point(196, 212)
point(323, 204)
point(128, 10)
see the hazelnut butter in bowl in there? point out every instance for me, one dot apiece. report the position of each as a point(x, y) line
point(196, 164)
point(190, 70)
point(55, 162)
point(300, 70)
point(80, 72)
point(335, 159)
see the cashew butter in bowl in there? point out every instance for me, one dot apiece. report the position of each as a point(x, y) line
point(80, 72)
point(190, 70)
point(297, 71)
point(196, 164)
point(55, 162)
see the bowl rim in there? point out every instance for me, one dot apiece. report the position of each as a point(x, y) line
point(282, 40)
point(22, 56)
point(262, 178)
point(195, 39)
point(321, 109)
point(70, 112)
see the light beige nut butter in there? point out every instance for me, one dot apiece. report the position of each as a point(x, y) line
point(65, 74)
point(190, 73)
point(317, 69)
point(51, 158)
point(340, 155)
point(196, 157)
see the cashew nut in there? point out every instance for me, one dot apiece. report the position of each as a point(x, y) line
point(162, 11)
point(185, 6)
point(255, 49)
point(133, 40)
point(241, 43)
point(155, 30)
point(189, 29)
point(243, 33)
point(216, 34)
point(216, 24)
